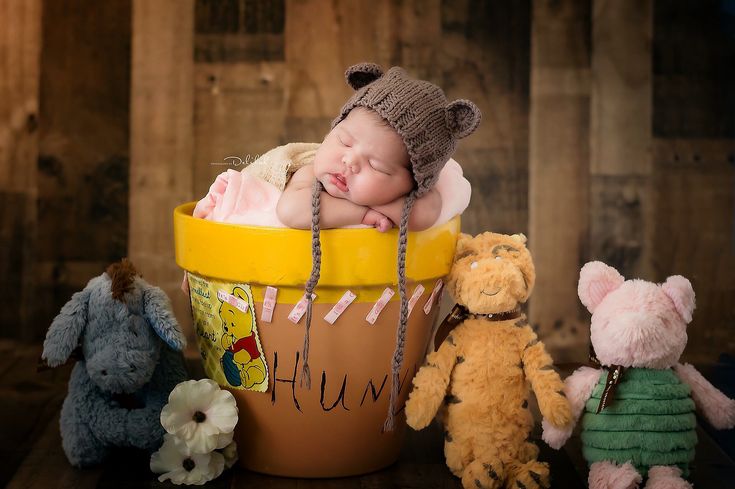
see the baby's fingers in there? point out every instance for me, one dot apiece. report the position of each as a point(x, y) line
point(384, 224)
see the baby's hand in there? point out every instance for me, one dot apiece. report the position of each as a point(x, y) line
point(377, 220)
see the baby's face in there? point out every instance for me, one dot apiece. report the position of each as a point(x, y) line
point(363, 161)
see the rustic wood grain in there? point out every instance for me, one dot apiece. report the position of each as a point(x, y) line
point(484, 56)
point(30, 412)
point(693, 69)
point(83, 144)
point(46, 465)
point(315, 85)
point(20, 49)
point(621, 82)
point(694, 197)
point(558, 171)
point(620, 136)
point(693, 181)
point(239, 111)
point(161, 139)
point(233, 31)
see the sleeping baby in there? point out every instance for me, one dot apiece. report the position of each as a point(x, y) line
point(365, 170)
point(378, 166)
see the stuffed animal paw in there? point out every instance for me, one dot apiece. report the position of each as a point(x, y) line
point(556, 410)
point(417, 417)
point(556, 436)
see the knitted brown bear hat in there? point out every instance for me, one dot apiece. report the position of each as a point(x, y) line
point(430, 127)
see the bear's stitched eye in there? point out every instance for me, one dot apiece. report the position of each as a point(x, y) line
point(473, 265)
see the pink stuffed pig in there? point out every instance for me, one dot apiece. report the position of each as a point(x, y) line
point(638, 409)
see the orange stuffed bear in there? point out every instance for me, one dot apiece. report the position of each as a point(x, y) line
point(480, 374)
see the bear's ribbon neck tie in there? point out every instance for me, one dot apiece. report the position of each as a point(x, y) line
point(459, 313)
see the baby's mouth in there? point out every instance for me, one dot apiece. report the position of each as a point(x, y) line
point(339, 181)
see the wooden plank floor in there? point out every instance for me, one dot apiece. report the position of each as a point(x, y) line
point(31, 455)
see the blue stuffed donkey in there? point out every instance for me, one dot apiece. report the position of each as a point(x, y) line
point(131, 347)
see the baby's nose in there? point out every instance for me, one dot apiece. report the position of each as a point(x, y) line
point(351, 165)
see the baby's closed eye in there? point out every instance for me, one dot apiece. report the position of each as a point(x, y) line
point(379, 168)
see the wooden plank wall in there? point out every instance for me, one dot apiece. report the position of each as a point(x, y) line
point(558, 171)
point(654, 197)
point(693, 159)
point(607, 134)
point(161, 137)
point(84, 161)
point(620, 135)
point(20, 49)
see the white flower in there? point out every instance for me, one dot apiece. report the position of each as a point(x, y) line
point(200, 414)
point(179, 464)
point(230, 454)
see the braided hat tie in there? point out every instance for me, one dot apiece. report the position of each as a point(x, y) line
point(429, 126)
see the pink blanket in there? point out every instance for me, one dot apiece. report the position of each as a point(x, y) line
point(238, 197)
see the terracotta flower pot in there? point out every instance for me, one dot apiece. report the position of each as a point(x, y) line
point(333, 429)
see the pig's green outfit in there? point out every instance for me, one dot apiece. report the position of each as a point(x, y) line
point(650, 422)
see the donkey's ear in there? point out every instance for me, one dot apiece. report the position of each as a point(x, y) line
point(157, 312)
point(362, 74)
point(463, 117)
point(66, 329)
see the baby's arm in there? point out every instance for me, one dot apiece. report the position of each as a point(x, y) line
point(423, 215)
point(294, 206)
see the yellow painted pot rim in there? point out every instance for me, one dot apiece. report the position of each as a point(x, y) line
point(282, 256)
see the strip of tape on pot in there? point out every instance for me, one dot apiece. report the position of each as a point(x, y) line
point(340, 307)
point(417, 292)
point(299, 309)
point(227, 333)
point(379, 305)
point(269, 304)
point(432, 298)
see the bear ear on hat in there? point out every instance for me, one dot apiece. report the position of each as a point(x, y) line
point(463, 117)
point(596, 280)
point(362, 74)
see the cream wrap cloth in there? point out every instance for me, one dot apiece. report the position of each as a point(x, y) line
point(250, 196)
point(278, 164)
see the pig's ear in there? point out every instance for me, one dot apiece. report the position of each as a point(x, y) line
point(596, 280)
point(681, 293)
